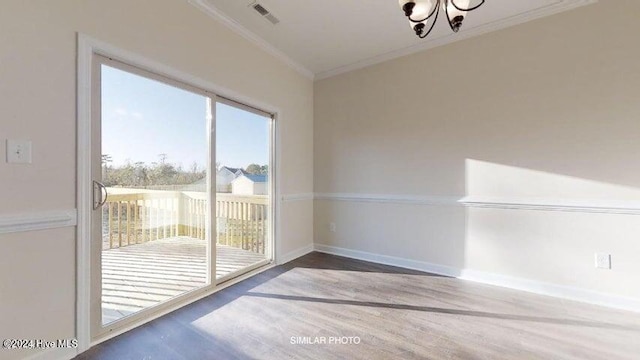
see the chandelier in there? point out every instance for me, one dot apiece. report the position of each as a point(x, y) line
point(422, 14)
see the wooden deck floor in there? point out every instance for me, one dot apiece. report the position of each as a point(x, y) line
point(143, 275)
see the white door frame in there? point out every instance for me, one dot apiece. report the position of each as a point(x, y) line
point(87, 49)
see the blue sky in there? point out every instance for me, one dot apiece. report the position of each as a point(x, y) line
point(142, 118)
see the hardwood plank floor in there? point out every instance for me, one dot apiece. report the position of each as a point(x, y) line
point(396, 314)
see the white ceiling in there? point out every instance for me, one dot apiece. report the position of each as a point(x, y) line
point(328, 37)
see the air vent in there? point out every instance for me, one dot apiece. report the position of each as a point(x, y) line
point(274, 20)
point(259, 8)
point(265, 13)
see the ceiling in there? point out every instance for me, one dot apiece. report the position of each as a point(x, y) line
point(325, 38)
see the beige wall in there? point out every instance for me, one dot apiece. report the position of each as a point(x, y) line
point(38, 102)
point(37, 287)
point(542, 112)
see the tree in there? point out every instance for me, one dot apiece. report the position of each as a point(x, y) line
point(139, 174)
point(106, 159)
point(256, 169)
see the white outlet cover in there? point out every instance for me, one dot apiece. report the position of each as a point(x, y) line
point(19, 151)
point(603, 261)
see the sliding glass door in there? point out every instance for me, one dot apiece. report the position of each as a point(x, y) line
point(182, 186)
point(154, 171)
point(243, 186)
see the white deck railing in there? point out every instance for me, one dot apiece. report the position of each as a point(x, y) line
point(134, 216)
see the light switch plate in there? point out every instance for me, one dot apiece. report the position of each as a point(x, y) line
point(19, 151)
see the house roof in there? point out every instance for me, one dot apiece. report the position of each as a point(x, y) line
point(230, 169)
point(238, 172)
point(254, 178)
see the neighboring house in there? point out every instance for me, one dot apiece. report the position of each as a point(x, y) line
point(242, 172)
point(224, 177)
point(248, 184)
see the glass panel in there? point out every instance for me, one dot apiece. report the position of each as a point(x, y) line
point(154, 166)
point(243, 146)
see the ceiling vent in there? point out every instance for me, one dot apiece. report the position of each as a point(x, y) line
point(265, 13)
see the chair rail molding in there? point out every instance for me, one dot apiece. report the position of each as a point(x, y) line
point(598, 206)
point(297, 197)
point(37, 220)
point(391, 198)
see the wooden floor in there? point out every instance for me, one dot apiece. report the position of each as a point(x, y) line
point(143, 275)
point(396, 313)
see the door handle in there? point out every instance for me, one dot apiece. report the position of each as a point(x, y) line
point(99, 201)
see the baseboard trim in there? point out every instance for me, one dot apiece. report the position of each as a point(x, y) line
point(550, 289)
point(37, 221)
point(54, 354)
point(532, 286)
point(292, 255)
point(389, 260)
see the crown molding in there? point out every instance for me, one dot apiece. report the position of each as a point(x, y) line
point(555, 8)
point(217, 14)
point(558, 7)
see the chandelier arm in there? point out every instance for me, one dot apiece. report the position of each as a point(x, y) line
point(433, 24)
point(435, 9)
point(470, 9)
point(446, 10)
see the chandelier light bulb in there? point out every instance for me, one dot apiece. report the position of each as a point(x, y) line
point(423, 14)
point(417, 10)
point(456, 16)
